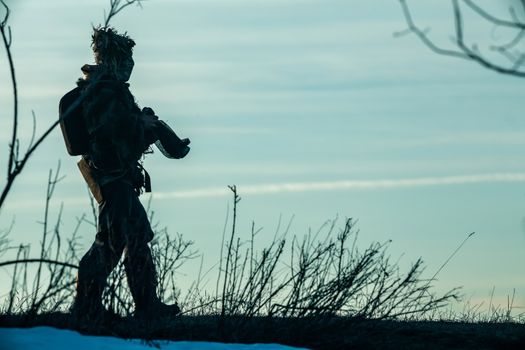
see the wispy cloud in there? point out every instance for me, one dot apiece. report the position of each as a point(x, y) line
point(345, 185)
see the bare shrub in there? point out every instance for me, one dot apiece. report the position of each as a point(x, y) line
point(50, 287)
point(325, 277)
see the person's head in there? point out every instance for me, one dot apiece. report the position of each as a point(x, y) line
point(113, 52)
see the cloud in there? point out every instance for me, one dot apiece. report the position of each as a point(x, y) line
point(345, 185)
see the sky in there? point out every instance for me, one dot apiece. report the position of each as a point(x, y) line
point(313, 108)
point(42, 338)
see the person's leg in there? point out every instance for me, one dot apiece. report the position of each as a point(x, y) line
point(142, 281)
point(141, 275)
point(93, 270)
point(140, 268)
point(96, 265)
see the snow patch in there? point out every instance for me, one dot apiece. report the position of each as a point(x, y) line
point(42, 338)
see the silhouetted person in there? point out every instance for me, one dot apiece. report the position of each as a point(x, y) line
point(101, 121)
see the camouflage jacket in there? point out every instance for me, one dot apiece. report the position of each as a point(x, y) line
point(117, 134)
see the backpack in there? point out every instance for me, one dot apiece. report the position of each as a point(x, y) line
point(72, 123)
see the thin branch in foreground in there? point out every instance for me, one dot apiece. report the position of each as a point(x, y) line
point(464, 51)
point(115, 6)
point(43, 261)
point(5, 31)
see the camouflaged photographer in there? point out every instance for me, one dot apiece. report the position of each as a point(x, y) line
point(101, 121)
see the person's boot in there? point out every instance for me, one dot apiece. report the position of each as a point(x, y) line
point(87, 309)
point(157, 310)
point(142, 281)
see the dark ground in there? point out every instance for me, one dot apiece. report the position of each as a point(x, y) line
point(334, 333)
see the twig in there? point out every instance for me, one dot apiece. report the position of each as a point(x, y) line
point(464, 51)
point(236, 200)
point(115, 6)
point(452, 255)
point(44, 261)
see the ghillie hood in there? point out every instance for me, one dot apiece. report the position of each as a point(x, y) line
point(110, 47)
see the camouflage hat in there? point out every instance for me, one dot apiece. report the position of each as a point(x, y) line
point(110, 47)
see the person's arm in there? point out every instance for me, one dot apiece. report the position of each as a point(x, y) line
point(150, 124)
point(166, 140)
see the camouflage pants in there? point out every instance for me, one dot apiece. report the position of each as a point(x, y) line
point(123, 227)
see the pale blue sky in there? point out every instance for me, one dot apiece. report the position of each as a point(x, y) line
point(301, 92)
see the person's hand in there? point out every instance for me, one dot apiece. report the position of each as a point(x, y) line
point(186, 141)
point(150, 121)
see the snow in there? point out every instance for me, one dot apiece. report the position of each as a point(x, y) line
point(40, 338)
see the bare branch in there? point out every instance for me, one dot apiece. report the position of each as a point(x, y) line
point(493, 19)
point(423, 36)
point(504, 48)
point(5, 31)
point(472, 53)
point(115, 6)
point(33, 132)
point(458, 20)
point(40, 261)
point(7, 13)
